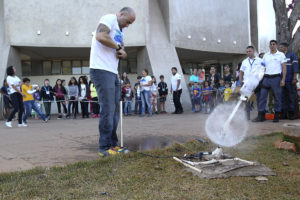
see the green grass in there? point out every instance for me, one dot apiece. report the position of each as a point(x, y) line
point(135, 176)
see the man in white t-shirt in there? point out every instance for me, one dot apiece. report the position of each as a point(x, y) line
point(250, 63)
point(106, 50)
point(176, 89)
point(274, 78)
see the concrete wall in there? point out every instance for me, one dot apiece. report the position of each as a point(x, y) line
point(215, 20)
point(78, 17)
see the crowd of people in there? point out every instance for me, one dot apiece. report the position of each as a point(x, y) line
point(278, 84)
point(147, 92)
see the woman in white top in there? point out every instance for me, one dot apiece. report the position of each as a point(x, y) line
point(146, 83)
point(154, 95)
point(16, 96)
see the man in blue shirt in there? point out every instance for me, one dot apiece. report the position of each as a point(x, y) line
point(289, 91)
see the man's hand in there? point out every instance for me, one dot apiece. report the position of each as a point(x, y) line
point(282, 83)
point(23, 94)
point(121, 54)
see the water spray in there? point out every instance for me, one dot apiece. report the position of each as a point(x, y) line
point(234, 128)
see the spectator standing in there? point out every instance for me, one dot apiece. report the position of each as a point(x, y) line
point(194, 77)
point(154, 95)
point(146, 83)
point(73, 93)
point(227, 92)
point(201, 74)
point(60, 93)
point(16, 96)
point(220, 91)
point(163, 93)
point(138, 99)
point(207, 97)
point(6, 100)
point(227, 74)
point(274, 78)
point(47, 97)
point(84, 91)
point(128, 95)
point(95, 103)
point(250, 64)
point(289, 90)
point(214, 77)
point(236, 75)
point(196, 97)
point(29, 101)
point(176, 89)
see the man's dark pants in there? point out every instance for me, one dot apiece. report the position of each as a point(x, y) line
point(108, 89)
point(274, 84)
point(177, 103)
point(288, 99)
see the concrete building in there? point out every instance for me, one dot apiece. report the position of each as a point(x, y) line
point(51, 39)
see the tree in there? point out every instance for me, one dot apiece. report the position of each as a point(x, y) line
point(286, 24)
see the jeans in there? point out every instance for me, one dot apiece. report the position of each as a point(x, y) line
point(95, 106)
point(74, 105)
point(127, 107)
point(60, 101)
point(289, 92)
point(177, 103)
point(47, 105)
point(138, 106)
point(29, 105)
point(274, 84)
point(146, 100)
point(108, 89)
point(84, 107)
point(17, 102)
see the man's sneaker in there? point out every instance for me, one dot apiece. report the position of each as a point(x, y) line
point(22, 125)
point(8, 124)
point(105, 153)
point(46, 120)
point(120, 150)
point(59, 117)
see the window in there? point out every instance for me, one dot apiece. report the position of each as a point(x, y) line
point(47, 68)
point(26, 68)
point(36, 68)
point(56, 67)
point(76, 67)
point(66, 68)
point(85, 67)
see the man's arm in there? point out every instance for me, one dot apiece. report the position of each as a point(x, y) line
point(178, 83)
point(102, 35)
point(282, 83)
point(241, 75)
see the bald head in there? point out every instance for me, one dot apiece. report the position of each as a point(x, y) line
point(126, 16)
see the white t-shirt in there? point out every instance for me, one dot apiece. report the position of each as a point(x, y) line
point(103, 57)
point(154, 89)
point(174, 80)
point(250, 64)
point(145, 81)
point(273, 62)
point(83, 90)
point(12, 80)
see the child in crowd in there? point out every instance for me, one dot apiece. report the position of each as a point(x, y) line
point(7, 102)
point(138, 100)
point(154, 95)
point(196, 97)
point(95, 103)
point(227, 92)
point(208, 97)
point(29, 101)
point(47, 97)
point(146, 83)
point(83, 89)
point(37, 98)
point(60, 93)
point(220, 92)
point(163, 93)
point(128, 95)
point(73, 93)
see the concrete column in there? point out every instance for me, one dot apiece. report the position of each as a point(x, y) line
point(160, 55)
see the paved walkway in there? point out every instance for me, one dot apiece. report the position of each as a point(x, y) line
point(59, 142)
